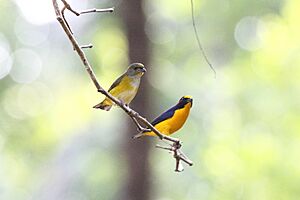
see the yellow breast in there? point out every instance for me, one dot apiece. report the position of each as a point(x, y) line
point(174, 123)
point(179, 118)
point(127, 89)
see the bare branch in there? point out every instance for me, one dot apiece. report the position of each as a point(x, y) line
point(88, 46)
point(63, 15)
point(67, 5)
point(184, 158)
point(93, 10)
point(179, 167)
point(136, 117)
point(164, 148)
point(177, 153)
point(139, 127)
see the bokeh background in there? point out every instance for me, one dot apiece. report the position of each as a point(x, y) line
point(243, 133)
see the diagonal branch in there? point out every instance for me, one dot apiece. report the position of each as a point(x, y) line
point(176, 144)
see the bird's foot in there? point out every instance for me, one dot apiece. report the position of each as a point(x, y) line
point(176, 145)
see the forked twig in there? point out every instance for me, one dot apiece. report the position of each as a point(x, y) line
point(136, 117)
point(68, 7)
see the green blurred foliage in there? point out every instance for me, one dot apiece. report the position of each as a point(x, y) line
point(243, 132)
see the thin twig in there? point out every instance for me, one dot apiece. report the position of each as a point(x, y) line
point(67, 5)
point(184, 158)
point(87, 46)
point(63, 15)
point(133, 114)
point(93, 10)
point(179, 167)
point(178, 154)
point(139, 127)
point(165, 148)
point(198, 40)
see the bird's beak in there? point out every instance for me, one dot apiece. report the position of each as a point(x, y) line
point(191, 100)
point(143, 69)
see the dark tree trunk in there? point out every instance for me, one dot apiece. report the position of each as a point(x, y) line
point(137, 184)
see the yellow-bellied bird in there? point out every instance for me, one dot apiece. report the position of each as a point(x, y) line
point(171, 120)
point(125, 87)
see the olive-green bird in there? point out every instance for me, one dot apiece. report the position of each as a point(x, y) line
point(125, 87)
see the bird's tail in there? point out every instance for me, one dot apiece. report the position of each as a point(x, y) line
point(141, 134)
point(104, 105)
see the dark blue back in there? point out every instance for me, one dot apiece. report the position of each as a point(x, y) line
point(168, 114)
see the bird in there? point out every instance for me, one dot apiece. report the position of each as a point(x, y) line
point(171, 120)
point(125, 87)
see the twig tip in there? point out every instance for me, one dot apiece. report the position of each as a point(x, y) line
point(88, 46)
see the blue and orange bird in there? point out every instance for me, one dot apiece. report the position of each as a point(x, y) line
point(171, 120)
point(125, 87)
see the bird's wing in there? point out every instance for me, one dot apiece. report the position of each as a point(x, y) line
point(164, 116)
point(116, 83)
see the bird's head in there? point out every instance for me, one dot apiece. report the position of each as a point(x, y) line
point(136, 69)
point(185, 100)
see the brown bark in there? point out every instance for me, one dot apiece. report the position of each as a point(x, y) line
point(137, 185)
